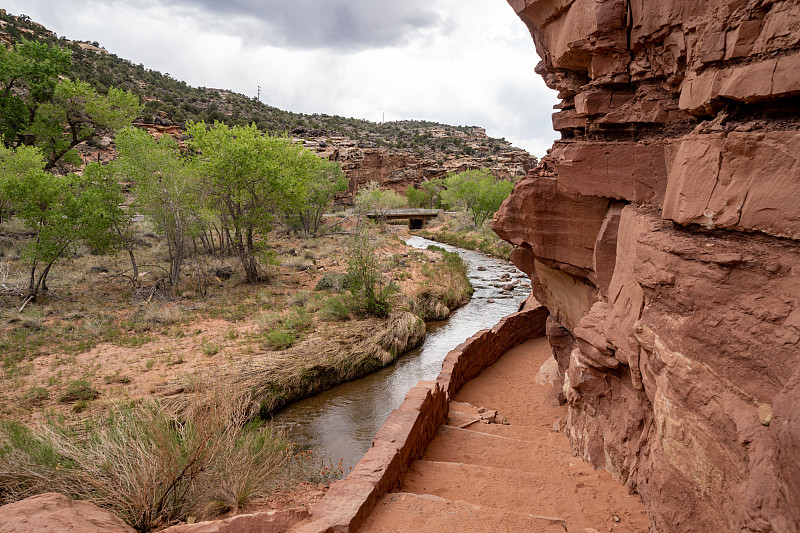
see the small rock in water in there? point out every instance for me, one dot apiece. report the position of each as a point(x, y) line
point(490, 301)
point(481, 269)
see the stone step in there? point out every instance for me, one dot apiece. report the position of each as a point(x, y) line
point(543, 454)
point(579, 497)
point(536, 433)
point(413, 513)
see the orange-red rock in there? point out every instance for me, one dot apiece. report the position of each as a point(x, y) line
point(556, 224)
point(624, 171)
point(679, 343)
point(739, 180)
point(56, 513)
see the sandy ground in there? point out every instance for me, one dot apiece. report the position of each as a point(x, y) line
point(519, 476)
point(181, 344)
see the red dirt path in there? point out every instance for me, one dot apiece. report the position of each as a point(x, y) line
point(515, 477)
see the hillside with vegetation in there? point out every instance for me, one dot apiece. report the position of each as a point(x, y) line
point(168, 101)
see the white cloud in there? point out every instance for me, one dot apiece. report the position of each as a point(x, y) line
point(464, 62)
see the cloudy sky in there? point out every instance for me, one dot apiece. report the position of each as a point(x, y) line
point(460, 62)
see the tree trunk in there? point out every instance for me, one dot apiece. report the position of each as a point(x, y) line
point(248, 261)
point(134, 265)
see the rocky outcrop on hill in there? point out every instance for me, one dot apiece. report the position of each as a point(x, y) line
point(662, 234)
point(365, 162)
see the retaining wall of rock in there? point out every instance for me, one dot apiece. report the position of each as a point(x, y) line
point(409, 428)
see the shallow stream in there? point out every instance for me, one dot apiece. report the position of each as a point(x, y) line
point(340, 422)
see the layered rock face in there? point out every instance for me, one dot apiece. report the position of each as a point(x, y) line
point(397, 169)
point(662, 234)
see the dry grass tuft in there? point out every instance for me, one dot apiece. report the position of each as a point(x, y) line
point(146, 465)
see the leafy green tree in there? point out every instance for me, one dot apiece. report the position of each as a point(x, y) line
point(76, 114)
point(478, 192)
point(251, 178)
point(427, 194)
point(165, 186)
point(13, 164)
point(416, 197)
point(39, 108)
point(372, 199)
point(29, 73)
point(60, 211)
point(120, 218)
point(329, 180)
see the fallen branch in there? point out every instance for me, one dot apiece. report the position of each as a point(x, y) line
point(26, 302)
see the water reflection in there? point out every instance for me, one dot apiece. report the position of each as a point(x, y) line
point(340, 423)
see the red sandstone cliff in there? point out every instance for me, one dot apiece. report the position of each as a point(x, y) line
point(397, 169)
point(662, 233)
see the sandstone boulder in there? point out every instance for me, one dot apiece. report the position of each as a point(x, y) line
point(56, 513)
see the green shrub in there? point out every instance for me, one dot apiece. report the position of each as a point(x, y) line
point(297, 320)
point(334, 309)
point(279, 339)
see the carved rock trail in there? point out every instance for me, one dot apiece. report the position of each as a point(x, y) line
point(519, 476)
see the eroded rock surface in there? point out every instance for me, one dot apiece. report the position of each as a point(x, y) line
point(662, 234)
point(364, 162)
point(56, 513)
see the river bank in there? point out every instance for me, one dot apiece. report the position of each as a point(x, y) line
point(339, 424)
point(97, 340)
point(317, 370)
point(455, 230)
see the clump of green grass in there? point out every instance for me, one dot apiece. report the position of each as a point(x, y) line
point(482, 240)
point(334, 309)
point(300, 299)
point(36, 395)
point(279, 338)
point(79, 390)
point(333, 281)
point(210, 348)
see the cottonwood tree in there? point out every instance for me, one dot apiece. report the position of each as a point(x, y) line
point(251, 178)
point(13, 164)
point(326, 181)
point(29, 73)
point(165, 187)
point(478, 191)
point(38, 107)
point(76, 114)
point(427, 194)
point(59, 211)
point(373, 199)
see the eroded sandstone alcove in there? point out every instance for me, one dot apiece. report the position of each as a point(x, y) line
point(662, 234)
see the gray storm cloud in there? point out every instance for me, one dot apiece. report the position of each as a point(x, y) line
point(324, 24)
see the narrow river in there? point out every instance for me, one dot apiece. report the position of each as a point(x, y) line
point(340, 422)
